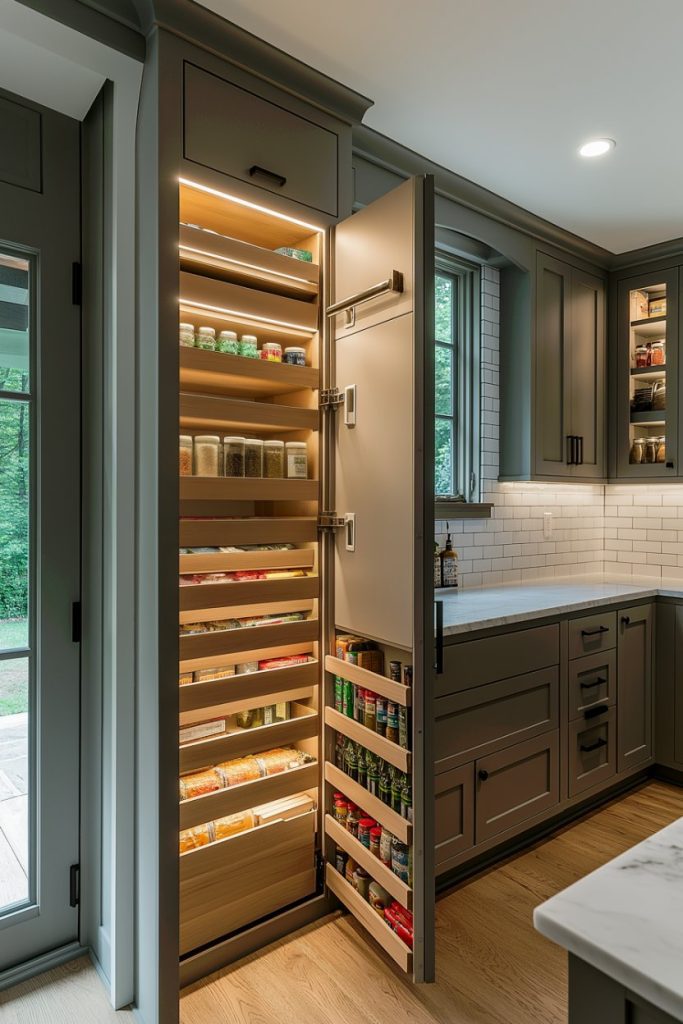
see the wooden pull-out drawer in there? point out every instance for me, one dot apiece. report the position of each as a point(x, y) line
point(231, 883)
point(592, 633)
point(592, 681)
point(475, 662)
point(592, 751)
point(454, 814)
point(236, 132)
point(479, 721)
point(516, 784)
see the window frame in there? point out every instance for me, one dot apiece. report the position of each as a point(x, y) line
point(465, 376)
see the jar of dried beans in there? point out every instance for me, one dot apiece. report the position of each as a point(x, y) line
point(273, 459)
point(253, 457)
point(206, 447)
point(185, 455)
point(233, 449)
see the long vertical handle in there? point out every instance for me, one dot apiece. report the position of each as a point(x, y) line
point(438, 665)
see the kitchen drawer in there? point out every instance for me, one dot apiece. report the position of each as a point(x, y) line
point(592, 751)
point(453, 814)
point(592, 681)
point(515, 784)
point(234, 131)
point(592, 633)
point(475, 662)
point(477, 722)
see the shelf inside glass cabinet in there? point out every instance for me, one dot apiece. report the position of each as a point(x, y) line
point(647, 379)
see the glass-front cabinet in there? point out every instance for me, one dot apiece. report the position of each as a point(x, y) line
point(647, 376)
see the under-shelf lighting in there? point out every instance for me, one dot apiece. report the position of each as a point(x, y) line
point(252, 206)
point(240, 263)
point(597, 147)
point(235, 314)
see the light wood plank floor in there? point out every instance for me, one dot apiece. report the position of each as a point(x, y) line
point(492, 967)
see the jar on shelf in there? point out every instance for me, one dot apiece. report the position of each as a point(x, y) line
point(227, 342)
point(186, 446)
point(661, 449)
point(206, 460)
point(186, 335)
point(271, 351)
point(641, 354)
point(253, 457)
point(296, 458)
point(637, 453)
point(249, 346)
point(651, 450)
point(294, 356)
point(659, 352)
point(273, 459)
point(206, 339)
point(233, 456)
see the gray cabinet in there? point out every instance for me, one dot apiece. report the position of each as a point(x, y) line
point(569, 372)
point(634, 686)
point(592, 749)
point(592, 682)
point(453, 814)
point(516, 784)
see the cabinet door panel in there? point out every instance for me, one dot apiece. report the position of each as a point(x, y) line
point(516, 784)
point(553, 285)
point(587, 373)
point(634, 686)
point(454, 814)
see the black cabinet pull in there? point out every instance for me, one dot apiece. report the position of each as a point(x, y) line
point(595, 632)
point(438, 662)
point(570, 450)
point(483, 774)
point(262, 172)
point(669, 465)
point(626, 620)
point(588, 747)
point(594, 712)
point(596, 682)
point(579, 457)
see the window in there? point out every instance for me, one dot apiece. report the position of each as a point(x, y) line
point(456, 379)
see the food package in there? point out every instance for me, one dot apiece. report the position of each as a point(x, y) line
point(638, 302)
point(199, 783)
point(287, 807)
point(657, 307)
point(193, 838)
point(281, 759)
point(223, 828)
point(185, 678)
point(203, 675)
point(285, 662)
point(239, 770)
point(202, 730)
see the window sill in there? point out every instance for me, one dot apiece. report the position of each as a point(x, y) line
point(445, 508)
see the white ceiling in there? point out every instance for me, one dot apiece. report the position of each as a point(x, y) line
point(504, 91)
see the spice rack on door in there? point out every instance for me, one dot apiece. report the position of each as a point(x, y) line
point(230, 278)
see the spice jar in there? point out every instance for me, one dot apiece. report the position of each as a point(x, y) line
point(658, 353)
point(385, 846)
point(253, 457)
point(661, 450)
point(361, 882)
point(651, 450)
point(206, 338)
point(187, 335)
point(227, 342)
point(637, 453)
point(273, 459)
point(271, 351)
point(641, 356)
point(352, 820)
point(341, 811)
point(400, 860)
point(206, 455)
point(375, 837)
point(365, 826)
point(249, 346)
point(296, 453)
point(233, 448)
point(294, 356)
point(185, 455)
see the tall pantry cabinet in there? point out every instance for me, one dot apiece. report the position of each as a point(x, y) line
point(250, 655)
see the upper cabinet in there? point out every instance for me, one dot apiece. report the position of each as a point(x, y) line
point(645, 376)
point(553, 385)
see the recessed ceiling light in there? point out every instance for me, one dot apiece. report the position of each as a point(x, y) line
point(597, 147)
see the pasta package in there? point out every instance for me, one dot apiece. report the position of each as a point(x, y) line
point(241, 769)
point(281, 759)
point(193, 838)
point(232, 824)
point(199, 783)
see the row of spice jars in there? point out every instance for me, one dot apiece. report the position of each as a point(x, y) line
point(650, 354)
point(246, 345)
point(205, 455)
point(390, 910)
point(381, 779)
point(375, 837)
point(647, 450)
point(386, 717)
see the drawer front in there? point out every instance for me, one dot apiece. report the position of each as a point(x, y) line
point(516, 784)
point(232, 131)
point(453, 814)
point(476, 662)
point(592, 633)
point(592, 751)
point(479, 721)
point(592, 681)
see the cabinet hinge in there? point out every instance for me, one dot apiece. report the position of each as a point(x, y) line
point(330, 398)
point(76, 284)
point(74, 885)
point(330, 521)
point(76, 622)
point(319, 871)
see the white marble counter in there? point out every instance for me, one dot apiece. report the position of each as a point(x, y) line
point(626, 919)
point(486, 607)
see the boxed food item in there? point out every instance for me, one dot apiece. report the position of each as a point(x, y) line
point(288, 807)
point(204, 675)
point(638, 304)
point(284, 662)
point(202, 730)
point(185, 678)
point(657, 307)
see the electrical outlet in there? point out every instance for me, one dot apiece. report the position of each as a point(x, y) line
point(547, 524)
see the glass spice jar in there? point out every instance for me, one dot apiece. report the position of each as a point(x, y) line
point(185, 455)
point(206, 455)
point(651, 450)
point(658, 353)
point(637, 453)
point(271, 351)
point(273, 460)
point(253, 457)
point(296, 457)
point(233, 456)
point(661, 450)
point(641, 356)
point(295, 356)
point(186, 335)
point(227, 342)
point(206, 339)
point(249, 346)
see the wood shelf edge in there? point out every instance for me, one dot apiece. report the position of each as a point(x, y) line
point(374, 867)
point(370, 919)
point(370, 680)
point(398, 826)
point(379, 745)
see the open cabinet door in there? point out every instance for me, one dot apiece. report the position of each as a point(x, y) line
point(382, 364)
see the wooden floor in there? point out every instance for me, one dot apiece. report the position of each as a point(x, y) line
point(492, 967)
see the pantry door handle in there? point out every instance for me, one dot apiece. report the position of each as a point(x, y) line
point(626, 620)
point(262, 172)
point(350, 530)
point(438, 663)
point(350, 405)
point(588, 747)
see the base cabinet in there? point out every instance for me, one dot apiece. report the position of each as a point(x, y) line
point(515, 784)
point(634, 686)
point(594, 998)
point(454, 814)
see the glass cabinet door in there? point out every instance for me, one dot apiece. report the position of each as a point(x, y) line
point(647, 377)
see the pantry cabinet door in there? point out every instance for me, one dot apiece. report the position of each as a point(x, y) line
point(552, 368)
point(587, 374)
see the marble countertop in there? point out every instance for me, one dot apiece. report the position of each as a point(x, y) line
point(625, 919)
point(467, 610)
